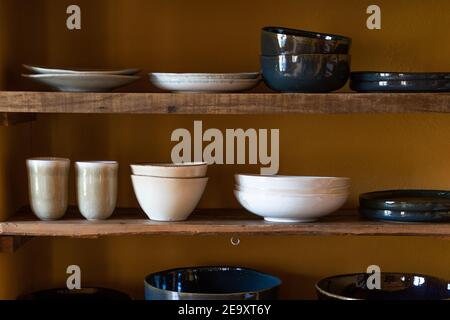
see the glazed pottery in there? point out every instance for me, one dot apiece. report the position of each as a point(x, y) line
point(202, 83)
point(438, 85)
point(211, 283)
point(48, 180)
point(83, 82)
point(394, 286)
point(306, 72)
point(97, 188)
point(287, 208)
point(84, 294)
point(204, 76)
point(44, 70)
point(397, 76)
point(294, 192)
point(296, 183)
point(280, 41)
point(171, 170)
point(406, 200)
point(406, 216)
point(168, 199)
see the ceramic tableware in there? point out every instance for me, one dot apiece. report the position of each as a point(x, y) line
point(84, 294)
point(202, 83)
point(280, 41)
point(397, 76)
point(168, 199)
point(211, 283)
point(406, 216)
point(83, 82)
point(97, 188)
point(48, 187)
point(269, 189)
point(297, 183)
point(306, 72)
point(205, 76)
point(171, 170)
point(45, 70)
point(437, 85)
point(394, 286)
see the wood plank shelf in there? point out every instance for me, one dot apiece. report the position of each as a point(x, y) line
point(212, 222)
point(236, 103)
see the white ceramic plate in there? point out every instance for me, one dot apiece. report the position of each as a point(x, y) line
point(83, 82)
point(44, 70)
point(202, 76)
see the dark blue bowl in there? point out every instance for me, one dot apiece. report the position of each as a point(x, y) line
point(439, 85)
point(211, 283)
point(397, 76)
point(405, 216)
point(279, 40)
point(394, 286)
point(306, 72)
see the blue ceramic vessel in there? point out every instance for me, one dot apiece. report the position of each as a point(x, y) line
point(406, 216)
point(397, 76)
point(211, 283)
point(442, 85)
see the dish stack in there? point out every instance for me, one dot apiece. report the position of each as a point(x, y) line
point(369, 81)
point(303, 61)
point(169, 192)
point(291, 199)
point(68, 80)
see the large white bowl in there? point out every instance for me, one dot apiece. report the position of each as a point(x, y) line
point(171, 170)
point(168, 199)
point(290, 208)
point(305, 192)
point(290, 182)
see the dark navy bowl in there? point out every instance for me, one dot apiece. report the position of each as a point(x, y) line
point(405, 216)
point(397, 76)
point(211, 283)
point(394, 286)
point(306, 73)
point(279, 40)
point(442, 85)
point(406, 200)
point(84, 294)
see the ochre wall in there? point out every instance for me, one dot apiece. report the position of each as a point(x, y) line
point(377, 151)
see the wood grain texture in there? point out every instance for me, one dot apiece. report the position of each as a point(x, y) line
point(243, 103)
point(214, 222)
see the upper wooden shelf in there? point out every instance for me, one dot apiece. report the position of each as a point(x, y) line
point(239, 103)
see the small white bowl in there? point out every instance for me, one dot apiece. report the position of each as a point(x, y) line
point(171, 170)
point(301, 192)
point(290, 182)
point(168, 199)
point(290, 208)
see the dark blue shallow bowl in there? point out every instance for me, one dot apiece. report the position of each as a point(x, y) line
point(306, 72)
point(211, 283)
point(394, 286)
point(405, 216)
point(438, 85)
point(84, 294)
point(397, 76)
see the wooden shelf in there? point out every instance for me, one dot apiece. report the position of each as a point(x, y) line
point(244, 103)
point(212, 222)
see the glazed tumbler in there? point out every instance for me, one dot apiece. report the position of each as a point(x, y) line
point(97, 188)
point(48, 187)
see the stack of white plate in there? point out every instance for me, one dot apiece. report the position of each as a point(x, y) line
point(82, 80)
point(205, 82)
point(169, 192)
point(291, 199)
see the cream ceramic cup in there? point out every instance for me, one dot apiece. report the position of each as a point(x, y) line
point(48, 182)
point(97, 188)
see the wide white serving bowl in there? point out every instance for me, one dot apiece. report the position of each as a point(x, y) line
point(171, 170)
point(290, 182)
point(305, 192)
point(290, 208)
point(168, 199)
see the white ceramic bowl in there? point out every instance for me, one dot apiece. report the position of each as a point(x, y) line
point(305, 192)
point(290, 208)
point(168, 199)
point(291, 182)
point(171, 170)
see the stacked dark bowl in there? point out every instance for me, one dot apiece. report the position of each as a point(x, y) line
point(304, 61)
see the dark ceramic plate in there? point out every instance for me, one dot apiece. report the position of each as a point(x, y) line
point(211, 283)
point(401, 86)
point(398, 76)
point(82, 294)
point(406, 216)
point(394, 286)
point(406, 200)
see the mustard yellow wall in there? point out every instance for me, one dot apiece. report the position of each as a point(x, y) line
point(377, 151)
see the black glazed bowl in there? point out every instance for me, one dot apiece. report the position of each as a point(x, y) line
point(437, 85)
point(306, 72)
point(394, 286)
point(211, 283)
point(397, 76)
point(279, 40)
point(84, 294)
